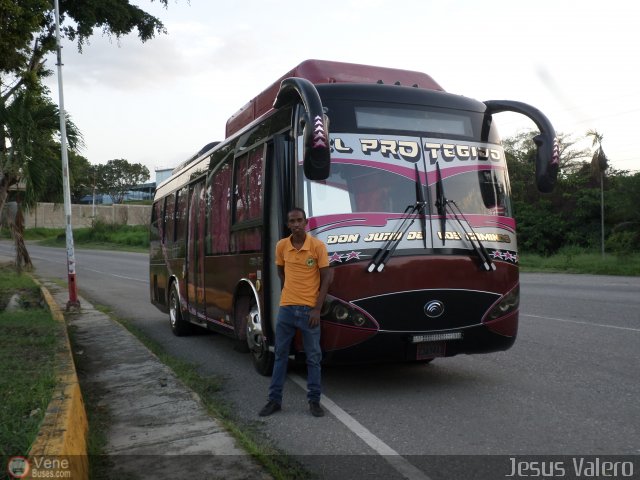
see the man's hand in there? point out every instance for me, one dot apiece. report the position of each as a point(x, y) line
point(314, 317)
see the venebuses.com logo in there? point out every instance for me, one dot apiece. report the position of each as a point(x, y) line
point(18, 467)
point(38, 467)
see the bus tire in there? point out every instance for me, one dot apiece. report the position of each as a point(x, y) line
point(179, 326)
point(240, 312)
point(257, 342)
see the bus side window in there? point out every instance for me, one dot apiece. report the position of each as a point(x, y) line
point(220, 216)
point(248, 191)
point(169, 219)
point(248, 188)
point(181, 222)
point(154, 232)
point(208, 229)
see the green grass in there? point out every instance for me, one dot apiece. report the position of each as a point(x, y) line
point(136, 239)
point(29, 338)
point(10, 282)
point(40, 233)
point(210, 389)
point(104, 236)
point(571, 260)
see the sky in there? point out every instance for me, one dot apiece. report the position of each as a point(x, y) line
point(159, 102)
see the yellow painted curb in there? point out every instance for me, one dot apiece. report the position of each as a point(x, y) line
point(60, 449)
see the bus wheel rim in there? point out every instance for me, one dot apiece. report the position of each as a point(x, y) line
point(255, 336)
point(173, 310)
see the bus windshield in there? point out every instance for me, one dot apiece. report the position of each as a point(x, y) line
point(357, 188)
point(378, 144)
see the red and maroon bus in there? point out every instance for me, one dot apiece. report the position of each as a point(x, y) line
point(405, 183)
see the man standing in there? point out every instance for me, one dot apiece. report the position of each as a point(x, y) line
point(303, 268)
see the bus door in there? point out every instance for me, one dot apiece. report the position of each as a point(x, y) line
point(195, 253)
point(278, 200)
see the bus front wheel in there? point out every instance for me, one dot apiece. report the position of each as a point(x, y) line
point(178, 326)
point(257, 342)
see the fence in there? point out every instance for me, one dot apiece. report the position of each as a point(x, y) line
point(51, 215)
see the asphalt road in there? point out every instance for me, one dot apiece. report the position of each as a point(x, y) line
point(569, 386)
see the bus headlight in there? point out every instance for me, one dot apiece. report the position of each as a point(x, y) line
point(509, 303)
point(337, 311)
point(340, 312)
point(359, 319)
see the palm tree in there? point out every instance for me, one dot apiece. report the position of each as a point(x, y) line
point(30, 155)
point(598, 166)
point(599, 160)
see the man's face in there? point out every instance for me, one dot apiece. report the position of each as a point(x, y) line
point(296, 222)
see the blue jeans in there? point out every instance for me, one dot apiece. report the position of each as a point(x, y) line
point(290, 319)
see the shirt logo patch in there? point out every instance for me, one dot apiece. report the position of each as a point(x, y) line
point(310, 262)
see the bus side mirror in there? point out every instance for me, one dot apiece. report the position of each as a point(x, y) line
point(316, 160)
point(547, 147)
point(547, 161)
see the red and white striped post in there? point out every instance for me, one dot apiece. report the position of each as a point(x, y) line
point(73, 302)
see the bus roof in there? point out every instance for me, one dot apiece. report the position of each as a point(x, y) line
point(323, 71)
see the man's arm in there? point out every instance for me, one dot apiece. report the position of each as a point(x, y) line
point(326, 276)
point(281, 275)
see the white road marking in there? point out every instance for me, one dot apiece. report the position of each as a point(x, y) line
point(582, 323)
point(118, 276)
point(399, 463)
point(82, 267)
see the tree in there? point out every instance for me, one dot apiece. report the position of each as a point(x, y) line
point(118, 176)
point(27, 35)
point(31, 122)
point(543, 219)
point(599, 161)
point(598, 166)
point(571, 214)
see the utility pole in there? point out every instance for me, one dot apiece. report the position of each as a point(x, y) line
point(602, 212)
point(73, 302)
point(93, 201)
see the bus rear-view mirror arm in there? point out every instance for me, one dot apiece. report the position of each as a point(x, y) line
point(548, 149)
point(317, 160)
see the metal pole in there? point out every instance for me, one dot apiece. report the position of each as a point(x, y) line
point(71, 261)
point(602, 212)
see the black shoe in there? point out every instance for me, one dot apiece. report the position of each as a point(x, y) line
point(269, 408)
point(315, 409)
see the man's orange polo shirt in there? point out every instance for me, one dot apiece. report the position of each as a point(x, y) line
point(301, 270)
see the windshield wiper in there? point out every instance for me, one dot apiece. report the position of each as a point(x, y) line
point(476, 243)
point(384, 253)
point(441, 203)
point(420, 200)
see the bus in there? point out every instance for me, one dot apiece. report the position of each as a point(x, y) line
point(405, 183)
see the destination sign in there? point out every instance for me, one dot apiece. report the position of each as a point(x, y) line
point(412, 150)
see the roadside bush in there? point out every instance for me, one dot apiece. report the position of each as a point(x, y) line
point(623, 243)
point(101, 232)
point(108, 234)
point(540, 231)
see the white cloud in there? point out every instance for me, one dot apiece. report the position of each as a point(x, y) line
point(162, 100)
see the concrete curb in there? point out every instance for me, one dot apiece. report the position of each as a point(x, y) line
point(62, 439)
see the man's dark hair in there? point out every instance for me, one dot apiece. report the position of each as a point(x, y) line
point(297, 209)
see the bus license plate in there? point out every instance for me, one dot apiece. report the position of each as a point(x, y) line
point(430, 350)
